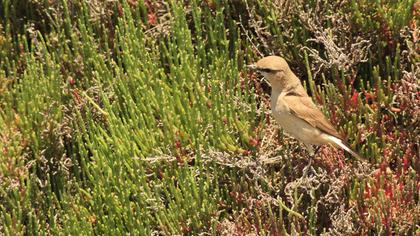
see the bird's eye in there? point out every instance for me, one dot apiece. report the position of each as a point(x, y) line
point(266, 70)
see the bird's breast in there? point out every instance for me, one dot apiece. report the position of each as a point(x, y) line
point(278, 105)
point(293, 125)
point(281, 112)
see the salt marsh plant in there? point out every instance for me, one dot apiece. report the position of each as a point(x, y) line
point(140, 117)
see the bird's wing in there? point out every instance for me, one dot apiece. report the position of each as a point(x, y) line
point(305, 109)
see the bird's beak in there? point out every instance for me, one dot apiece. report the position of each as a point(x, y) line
point(252, 67)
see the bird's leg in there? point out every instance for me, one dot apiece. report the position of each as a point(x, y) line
point(312, 155)
point(306, 169)
point(316, 150)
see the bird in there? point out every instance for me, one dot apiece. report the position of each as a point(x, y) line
point(294, 110)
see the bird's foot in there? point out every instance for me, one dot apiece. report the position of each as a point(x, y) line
point(316, 151)
point(306, 169)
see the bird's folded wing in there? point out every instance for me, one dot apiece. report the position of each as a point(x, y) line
point(305, 109)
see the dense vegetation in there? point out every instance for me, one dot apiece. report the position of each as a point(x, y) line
point(141, 117)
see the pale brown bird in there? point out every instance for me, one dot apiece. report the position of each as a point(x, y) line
point(294, 110)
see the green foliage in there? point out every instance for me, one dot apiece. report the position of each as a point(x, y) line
point(138, 119)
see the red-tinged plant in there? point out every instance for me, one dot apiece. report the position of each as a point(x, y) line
point(152, 19)
point(385, 197)
point(331, 158)
point(254, 142)
point(76, 96)
point(353, 100)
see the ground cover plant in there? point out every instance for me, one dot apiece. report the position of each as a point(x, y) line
point(141, 117)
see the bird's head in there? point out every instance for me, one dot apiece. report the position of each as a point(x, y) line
point(273, 68)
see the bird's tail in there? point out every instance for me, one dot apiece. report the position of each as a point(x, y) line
point(344, 146)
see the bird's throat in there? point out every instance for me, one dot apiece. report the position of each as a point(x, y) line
point(284, 84)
